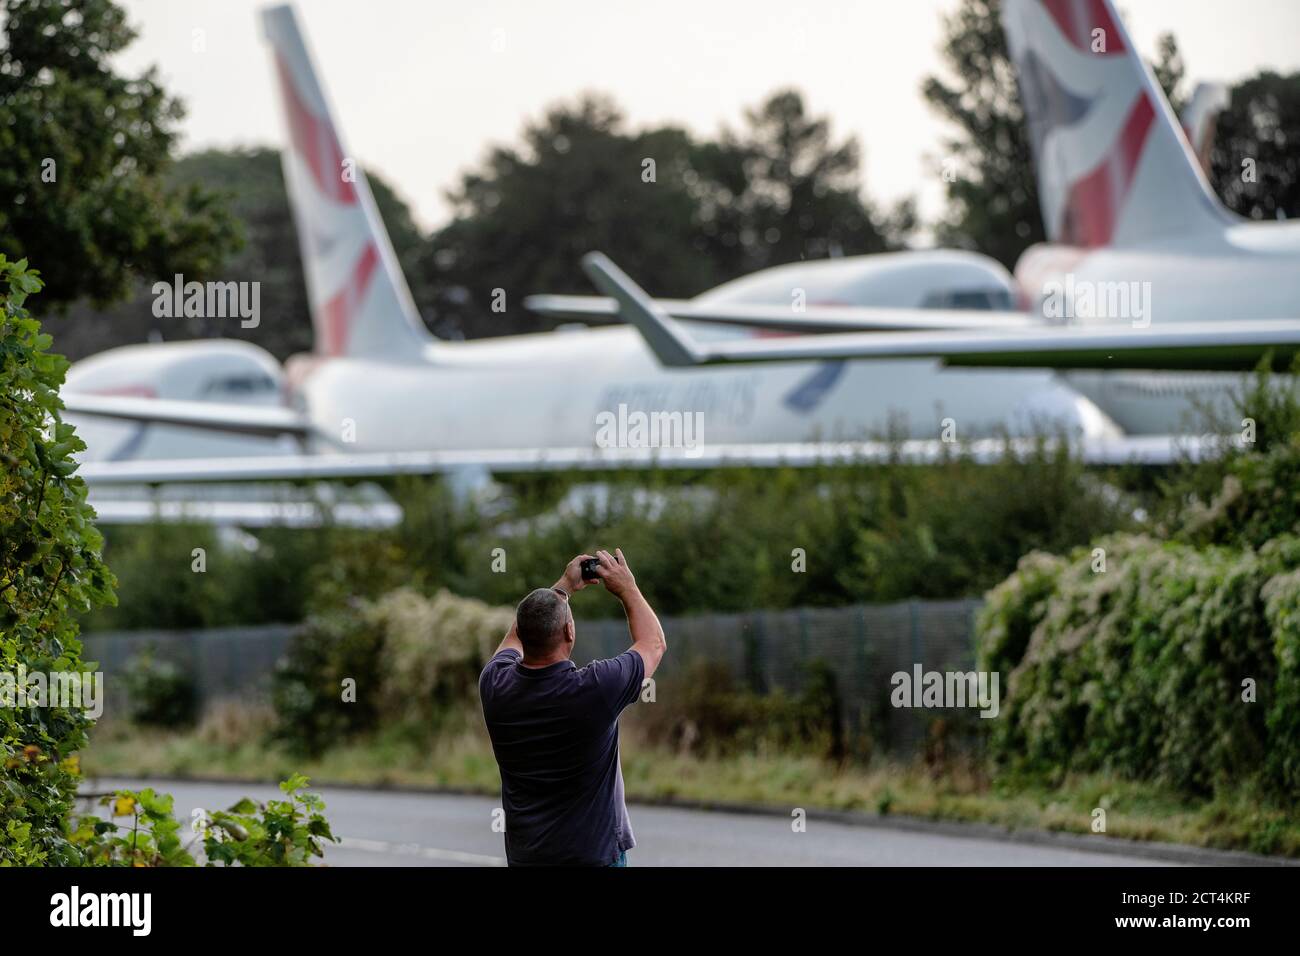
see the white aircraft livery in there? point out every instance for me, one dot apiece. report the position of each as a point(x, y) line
point(1145, 270)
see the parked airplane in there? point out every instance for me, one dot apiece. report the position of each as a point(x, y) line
point(1145, 268)
point(379, 395)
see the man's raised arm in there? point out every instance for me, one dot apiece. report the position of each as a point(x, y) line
point(647, 633)
point(511, 641)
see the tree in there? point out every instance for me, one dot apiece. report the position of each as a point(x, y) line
point(1255, 161)
point(578, 182)
point(782, 191)
point(683, 214)
point(993, 198)
point(1170, 70)
point(86, 149)
point(50, 571)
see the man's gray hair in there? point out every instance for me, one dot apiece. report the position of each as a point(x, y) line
point(540, 620)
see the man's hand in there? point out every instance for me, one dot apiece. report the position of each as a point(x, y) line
point(616, 575)
point(571, 580)
point(647, 633)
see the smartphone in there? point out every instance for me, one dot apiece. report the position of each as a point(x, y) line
point(589, 566)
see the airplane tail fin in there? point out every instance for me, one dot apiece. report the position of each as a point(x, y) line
point(1200, 118)
point(1113, 165)
point(360, 303)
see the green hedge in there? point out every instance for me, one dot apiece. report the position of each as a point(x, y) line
point(51, 571)
point(404, 664)
point(1282, 608)
point(50, 568)
point(1140, 669)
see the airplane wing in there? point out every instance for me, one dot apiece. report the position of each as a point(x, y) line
point(215, 416)
point(1231, 346)
point(777, 318)
point(1143, 450)
point(245, 505)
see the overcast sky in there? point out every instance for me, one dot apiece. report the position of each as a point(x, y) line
point(424, 87)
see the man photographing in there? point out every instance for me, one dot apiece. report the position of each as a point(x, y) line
point(554, 726)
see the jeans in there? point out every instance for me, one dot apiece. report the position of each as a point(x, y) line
point(622, 859)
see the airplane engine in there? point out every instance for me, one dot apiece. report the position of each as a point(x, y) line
point(1058, 407)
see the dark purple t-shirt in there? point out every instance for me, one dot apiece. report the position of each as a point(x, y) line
point(554, 731)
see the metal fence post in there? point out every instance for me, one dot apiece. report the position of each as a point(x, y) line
point(914, 617)
point(755, 656)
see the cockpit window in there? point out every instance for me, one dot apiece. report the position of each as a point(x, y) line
point(252, 384)
point(989, 300)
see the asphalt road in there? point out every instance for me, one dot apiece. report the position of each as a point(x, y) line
point(386, 828)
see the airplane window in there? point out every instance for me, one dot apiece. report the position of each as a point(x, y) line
point(998, 300)
point(241, 385)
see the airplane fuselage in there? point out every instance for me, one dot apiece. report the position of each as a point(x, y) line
point(1181, 279)
point(556, 389)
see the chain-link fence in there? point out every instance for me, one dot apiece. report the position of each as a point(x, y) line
point(862, 646)
point(223, 663)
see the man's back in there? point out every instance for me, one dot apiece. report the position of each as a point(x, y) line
point(554, 731)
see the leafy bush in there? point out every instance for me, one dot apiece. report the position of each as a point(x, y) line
point(152, 838)
point(50, 570)
point(711, 541)
point(1242, 492)
point(159, 693)
point(156, 586)
point(414, 662)
point(434, 649)
point(1143, 668)
point(308, 685)
point(704, 710)
point(275, 583)
point(1139, 669)
point(1014, 608)
point(277, 833)
point(1282, 609)
point(1258, 499)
